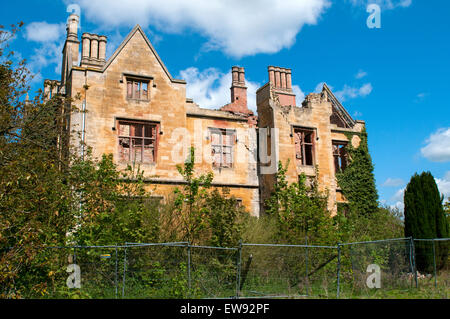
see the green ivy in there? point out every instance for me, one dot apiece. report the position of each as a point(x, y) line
point(357, 181)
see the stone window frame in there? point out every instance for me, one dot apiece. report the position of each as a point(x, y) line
point(154, 139)
point(221, 146)
point(302, 147)
point(340, 155)
point(134, 80)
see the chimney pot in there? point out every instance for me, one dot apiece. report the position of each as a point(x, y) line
point(283, 78)
point(102, 48)
point(94, 46)
point(241, 76)
point(288, 79)
point(277, 78)
point(72, 27)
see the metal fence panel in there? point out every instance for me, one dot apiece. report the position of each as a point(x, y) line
point(155, 271)
point(212, 272)
point(287, 271)
point(375, 269)
point(369, 269)
point(433, 264)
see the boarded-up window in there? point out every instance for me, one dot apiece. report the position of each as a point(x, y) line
point(137, 141)
point(222, 142)
point(137, 89)
point(304, 146)
point(340, 156)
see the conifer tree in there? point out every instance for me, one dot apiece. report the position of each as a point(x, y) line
point(425, 219)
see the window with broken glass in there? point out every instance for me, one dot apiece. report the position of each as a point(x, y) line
point(340, 156)
point(304, 146)
point(137, 89)
point(222, 142)
point(137, 141)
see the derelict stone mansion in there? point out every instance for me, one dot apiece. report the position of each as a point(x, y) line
point(138, 112)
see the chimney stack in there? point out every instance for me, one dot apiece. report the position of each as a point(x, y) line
point(71, 47)
point(238, 92)
point(238, 88)
point(280, 78)
point(94, 50)
point(72, 27)
point(281, 81)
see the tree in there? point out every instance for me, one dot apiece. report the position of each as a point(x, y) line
point(190, 200)
point(114, 205)
point(35, 193)
point(425, 218)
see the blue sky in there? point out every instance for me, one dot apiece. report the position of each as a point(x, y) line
point(396, 77)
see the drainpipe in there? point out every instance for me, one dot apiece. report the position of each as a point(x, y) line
point(83, 119)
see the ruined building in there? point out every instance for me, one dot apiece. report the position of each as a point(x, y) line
point(138, 112)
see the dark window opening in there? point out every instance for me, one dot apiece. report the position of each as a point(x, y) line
point(304, 146)
point(340, 156)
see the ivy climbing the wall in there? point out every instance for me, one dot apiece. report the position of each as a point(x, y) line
point(357, 181)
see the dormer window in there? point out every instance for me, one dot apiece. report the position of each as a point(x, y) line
point(137, 89)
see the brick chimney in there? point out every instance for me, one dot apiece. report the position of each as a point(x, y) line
point(238, 92)
point(280, 80)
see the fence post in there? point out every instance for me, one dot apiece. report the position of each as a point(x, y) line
point(189, 268)
point(238, 269)
point(124, 271)
point(338, 270)
point(306, 262)
point(434, 265)
point(116, 279)
point(413, 252)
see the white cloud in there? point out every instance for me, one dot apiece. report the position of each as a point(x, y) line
point(444, 185)
point(43, 31)
point(50, 39)
point(366, 89)
point(438, 146)
point(393, 182)
point(397, 199)
point(300, 95)
point(398, 205)
point(360, 74)
point(239, 28)
point(353, 92)
point(319, 87)
point(398, 196)
point(420, 97)
point(210, 88)
point(384, 4)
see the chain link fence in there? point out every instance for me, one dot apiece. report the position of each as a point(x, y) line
point(179, 270)
point(287, 271)
point(433, 263)
point(368, 268)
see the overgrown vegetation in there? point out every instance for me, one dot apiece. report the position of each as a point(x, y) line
point(299, 211)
